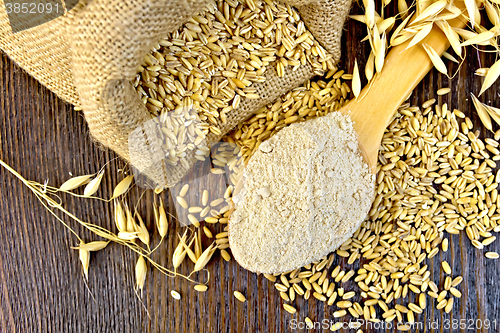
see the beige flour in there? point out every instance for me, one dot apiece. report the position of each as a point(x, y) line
point(305, 191)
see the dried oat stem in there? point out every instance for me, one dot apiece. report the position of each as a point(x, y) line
point(50, 204)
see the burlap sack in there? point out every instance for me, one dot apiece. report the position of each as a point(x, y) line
point(43, 52)
point(89, 57)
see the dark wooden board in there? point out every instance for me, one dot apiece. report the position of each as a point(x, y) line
point(41, 286)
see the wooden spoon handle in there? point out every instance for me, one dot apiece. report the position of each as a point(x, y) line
point(402, 72)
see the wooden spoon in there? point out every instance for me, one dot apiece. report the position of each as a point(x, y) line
point(373, 110)
point(403, 70)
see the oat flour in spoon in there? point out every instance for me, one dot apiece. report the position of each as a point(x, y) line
point(305, 191)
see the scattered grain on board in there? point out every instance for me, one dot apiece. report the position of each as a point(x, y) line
point(491, 255)
point(446, 267)
point(239, 296)
point(290, 309)
point(201, 287)
point(444, 245)
point(443, 91)
point(175, 294)
point(225, 255)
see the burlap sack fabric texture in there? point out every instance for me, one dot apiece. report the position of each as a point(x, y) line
point(89, 57)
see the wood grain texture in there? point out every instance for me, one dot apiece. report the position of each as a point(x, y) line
point(41, 287)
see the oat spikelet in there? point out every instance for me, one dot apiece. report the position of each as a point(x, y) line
point(402, 38)
point(431, 11)
point(140, 273)
point(43, 194)
point(197, 245)
point(492, 13)
point(92, 246)
point(374, 38)
point(480, 39)
point(75, 182)
point(436, 59)
point(120, 218)
point(142, 231)
point(359, 18)
point(85, 260)
point(403, 8)
point(386, 25)
point(398, 30)
point(380, 54)
point(162, 220)
point(179, 256)
point(126, 235)
point(465, 34)
point(190, 252)
point(451, 35)
point(122, 186)
point(419, 36)
point(450, 57)
point(482, 112)
point(471, 10)
point(369, 12)
point(481, 71)
point(180, 252)
point(494, 113)
point(204, 258)
point(93, 185)
point(156, 214)
point(491, 76)
point(356, 80)
point(130, 220)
